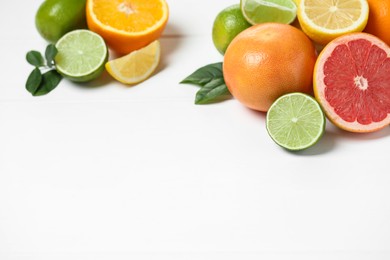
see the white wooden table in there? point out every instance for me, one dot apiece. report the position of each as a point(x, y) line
point(106, 171)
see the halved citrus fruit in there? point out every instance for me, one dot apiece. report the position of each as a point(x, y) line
point(127, 25)
point(295, 121)
point(352, 82)
point(326, 20)
point(81, 55)
point(265, 11)
point(135, 66)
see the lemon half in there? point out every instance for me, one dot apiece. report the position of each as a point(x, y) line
point(325, 20)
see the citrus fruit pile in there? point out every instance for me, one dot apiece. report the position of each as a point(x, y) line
point(301, 60)
point(84, 30)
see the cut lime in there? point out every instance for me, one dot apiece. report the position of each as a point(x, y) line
point(81, 55)
point(295, 121)
point(263, 11)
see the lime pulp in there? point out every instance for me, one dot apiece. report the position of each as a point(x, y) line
point(262, 11)
point(81, 55)
point(295, 121)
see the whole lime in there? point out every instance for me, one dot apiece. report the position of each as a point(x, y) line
point(55, 18)
point(228, 23)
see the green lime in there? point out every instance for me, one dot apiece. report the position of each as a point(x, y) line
point(228, 23)
point(295, 121)
point(81, 55)
point(54, 18)
point(262, 11)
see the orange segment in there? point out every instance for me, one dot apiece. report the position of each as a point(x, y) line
point(127, 25)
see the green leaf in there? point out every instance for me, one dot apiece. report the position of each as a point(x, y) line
point(212, 91)
point(210, 78)
point(50, 53)
point(50, 81)
point(35, 58)
point(33, 81)
point(205, 74)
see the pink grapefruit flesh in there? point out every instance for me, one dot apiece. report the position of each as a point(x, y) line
point(352, 82)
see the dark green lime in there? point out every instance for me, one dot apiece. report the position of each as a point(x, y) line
point(55, 18)
point(228, 23)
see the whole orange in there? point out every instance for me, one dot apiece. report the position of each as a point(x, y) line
point(266, 61)
point(379, 19)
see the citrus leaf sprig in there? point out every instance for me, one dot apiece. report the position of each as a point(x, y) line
point(210, 79)
point(44, 77)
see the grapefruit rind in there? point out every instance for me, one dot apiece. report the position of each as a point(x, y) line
point(319, 85)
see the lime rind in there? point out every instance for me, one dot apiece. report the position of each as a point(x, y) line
point(295, 121)
point(81, 56)
point(262, 11)
point(227, 25)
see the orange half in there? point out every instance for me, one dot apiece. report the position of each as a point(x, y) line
point(127, 25)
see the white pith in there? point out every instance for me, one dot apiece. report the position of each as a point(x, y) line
point(125, 8)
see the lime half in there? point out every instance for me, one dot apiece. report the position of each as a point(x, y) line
point(263, 11)
point(295, 121)
point(81, 55)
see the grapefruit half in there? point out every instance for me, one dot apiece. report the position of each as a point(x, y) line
point(352, 82)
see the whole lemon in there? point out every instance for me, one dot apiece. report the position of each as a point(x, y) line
point(55, 18)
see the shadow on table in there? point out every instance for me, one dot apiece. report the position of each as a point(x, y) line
point(168, 46)
point(326, 144)
point(169, 43)
point(102, 81)
point(333, 134)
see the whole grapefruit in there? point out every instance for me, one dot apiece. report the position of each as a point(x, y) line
point(266, 61)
